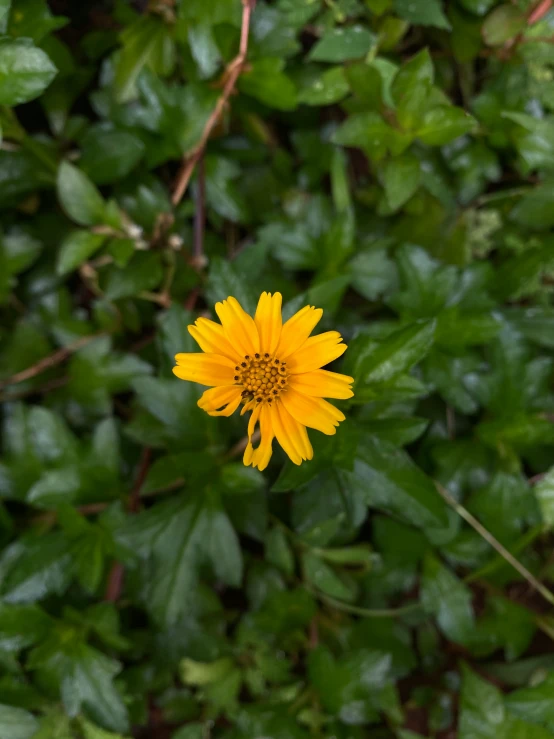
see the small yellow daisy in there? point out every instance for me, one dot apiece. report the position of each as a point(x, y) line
point(273, 369)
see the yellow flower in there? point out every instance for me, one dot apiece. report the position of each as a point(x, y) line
point(273, 369)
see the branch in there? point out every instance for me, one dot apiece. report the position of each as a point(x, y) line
point(241, 445)
point(115, 579)
point(48, 362)
point(538, 12)
point(340, 605)
point(198, 259)
point(495, 544)
point(232, 73)
point(51, 385)
point(134, 498)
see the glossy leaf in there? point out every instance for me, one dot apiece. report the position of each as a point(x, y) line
point(25, 71)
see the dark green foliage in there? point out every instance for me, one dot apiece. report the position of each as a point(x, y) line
point(390, 161)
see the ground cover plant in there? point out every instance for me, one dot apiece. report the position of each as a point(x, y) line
point(390, 162)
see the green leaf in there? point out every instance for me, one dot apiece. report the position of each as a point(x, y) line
point(533, 210)
point(146, 43)
point(90, 731)
point(322, 576)
point(21, 249)
point(367, 83)
point(427, 284)
point(204, 49)
point(373, 273)
point(192, 731)
point(325, 89)
point(292, 244)
point(109, 155)
point(343, 44)
point(236, 479)
point(448, 599)
point(22, 626)
point(278, 551)
point(544, 492)
point(482, 714)
point(505, 624)
point(379, 362)
point(79, 197)
point(170, 402)
point(222, 193)
point(422, 12)
point(444, 124)
point(204, 673)
point(401, 178)
point(5, 6)
point(205, 535)
point(266, 81)
point(25, 71)
point(369, 132)
point(77, 248)
point(16, 723)
point(350, 686)
point(86, 679)
point(54, 726)
point(224, 280)
point(20, 174)
point(478, 7)
point(502, 24)
point(411, 89)
point(386, 477)
point(534, 704)
point(36, 568)
point(33, 19)
point(399, 431)
point(143, 273)
point(90, 545)
point(536, 324)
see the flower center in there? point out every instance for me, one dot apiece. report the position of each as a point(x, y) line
point(263, 377)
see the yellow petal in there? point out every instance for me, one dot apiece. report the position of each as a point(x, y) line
point(323, 384)
point(248, 454)
point(253, 419)
point(269, 321)
point(224, 397)
point(315, 413)
point(211, 338)
point(239, 327)
point(206, 369)
point(290, 434)
point(248, 407)
point(260, 456)
point(229, 409)
point(316, 352)
point(297, 329)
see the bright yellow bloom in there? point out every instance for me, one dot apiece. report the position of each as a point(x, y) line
point(273, 369)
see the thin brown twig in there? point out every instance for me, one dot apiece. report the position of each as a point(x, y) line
point(115, 578)
point(115, 583)
point(51, 361)
point(313, 639)
point(190, 302)
point(538, 12)
point(91, 509)
point(241, 445)
point(198, 259)
point(231, 75)
point(52, 385)
point(495, 544)
point(134, 498)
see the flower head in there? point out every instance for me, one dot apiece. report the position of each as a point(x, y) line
point(273, 369)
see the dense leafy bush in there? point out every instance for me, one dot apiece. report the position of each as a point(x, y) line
point(391, 161)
